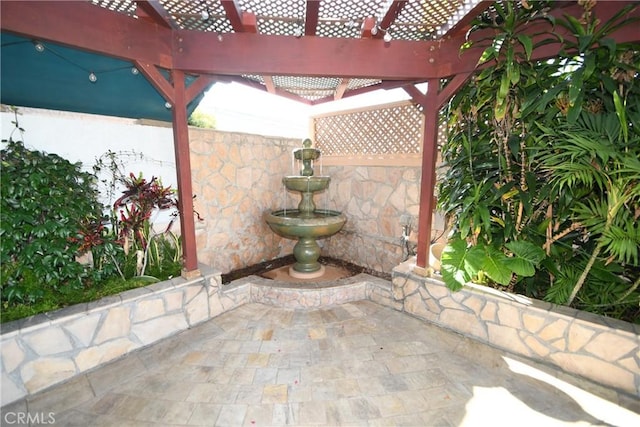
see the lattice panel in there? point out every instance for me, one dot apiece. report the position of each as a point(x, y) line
point(123, 6)
point(419, 20)
point(277, 17)
point(311, 88)
point(360, 83)
point(391, 130)
point(188, 14)
point(343, 18)
point(306, 83)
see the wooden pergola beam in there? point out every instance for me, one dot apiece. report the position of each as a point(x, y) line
point(200, 84)
point(244, 53)
point(87, 27)
point(155, 77)
point(234, 14)
point(366, 32)
point(269, 85)
point(183, 170)
point(341, 89)
point(461, 27)
point(429, 103)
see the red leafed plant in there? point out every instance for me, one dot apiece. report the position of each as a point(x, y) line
point(136, 205)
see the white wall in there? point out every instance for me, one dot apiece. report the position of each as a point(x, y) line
point(85, 137)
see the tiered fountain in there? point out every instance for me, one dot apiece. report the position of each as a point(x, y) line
point(307, 224)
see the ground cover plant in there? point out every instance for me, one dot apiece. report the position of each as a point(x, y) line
point(542, 164)
point(57, 245)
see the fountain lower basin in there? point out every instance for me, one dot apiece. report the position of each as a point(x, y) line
point(306, 227)
point(291, 223)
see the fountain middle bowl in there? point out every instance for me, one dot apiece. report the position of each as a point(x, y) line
point(306, 184)
point(289, 223)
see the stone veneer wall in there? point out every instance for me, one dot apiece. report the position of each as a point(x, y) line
point(47, 349)
point(374, 198)
point(236, 178)
point(601, 349)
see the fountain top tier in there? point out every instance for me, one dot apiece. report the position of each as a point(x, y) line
point(307, 155)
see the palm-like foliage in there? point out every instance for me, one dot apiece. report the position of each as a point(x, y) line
point(592, 158)
point(547, 154)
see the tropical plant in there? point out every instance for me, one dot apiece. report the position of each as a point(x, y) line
point(541, 164)
point(139, 201)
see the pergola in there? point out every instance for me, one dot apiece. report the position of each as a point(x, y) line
point(310, 50)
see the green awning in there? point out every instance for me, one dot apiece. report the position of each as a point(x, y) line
point(46, 75)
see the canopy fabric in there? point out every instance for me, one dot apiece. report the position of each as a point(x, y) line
point(46, 75)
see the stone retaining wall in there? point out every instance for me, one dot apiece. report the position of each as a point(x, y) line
point(45, 350)
point(42, 351)
point(601, 349)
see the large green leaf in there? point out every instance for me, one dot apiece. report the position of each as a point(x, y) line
point(520, 266)
point(495, 267)
point(459, 263)
point(527, 251)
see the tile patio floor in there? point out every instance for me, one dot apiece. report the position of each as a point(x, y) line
point(354, 364)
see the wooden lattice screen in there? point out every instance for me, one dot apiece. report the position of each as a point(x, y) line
point(390, 134)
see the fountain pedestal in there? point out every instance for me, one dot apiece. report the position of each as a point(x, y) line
point(306, 253)
point(306, 224)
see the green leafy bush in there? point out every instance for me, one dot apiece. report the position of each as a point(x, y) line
point(44, 200)
point(50, 216)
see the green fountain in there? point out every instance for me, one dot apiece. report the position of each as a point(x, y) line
point(306, 224)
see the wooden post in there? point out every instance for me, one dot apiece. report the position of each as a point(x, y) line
point(183, 170)
point(428, 177)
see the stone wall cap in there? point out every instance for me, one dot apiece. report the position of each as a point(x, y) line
point(327, 284)
point(30, 323)
point(135, 293)
point(104, 303)
point(67, 312)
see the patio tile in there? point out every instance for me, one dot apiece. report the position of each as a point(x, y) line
point(202, 392)
point(178, 412)
point(67, 396)
point(265, 376)
point(204, 414)
point(274, 393)
point(356, 364)
point(364, 408)
point(312, 413)
point(258, 415)
point(285, 414)
point(231, 415)
point(249, 395)
point(288, 376)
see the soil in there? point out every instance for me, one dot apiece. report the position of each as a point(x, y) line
point(264, 267)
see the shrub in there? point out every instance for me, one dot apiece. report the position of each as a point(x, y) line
point(44, 200)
